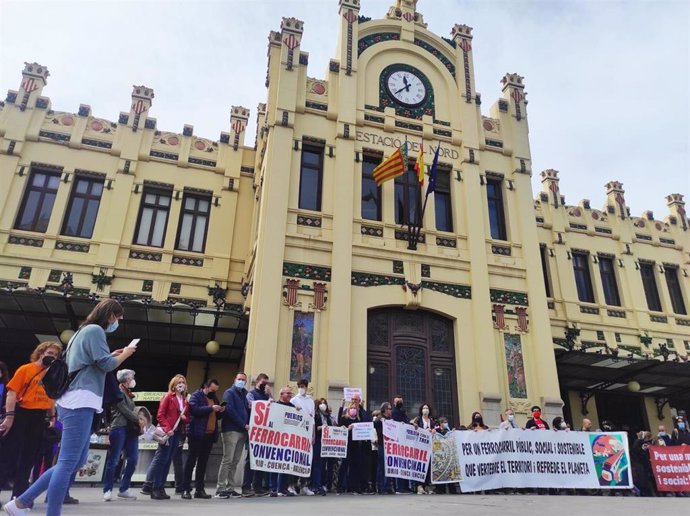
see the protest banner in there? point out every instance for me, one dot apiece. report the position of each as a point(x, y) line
point(519, 458)
point(334, 442)
point(671, 467)
point(363, 431)
point(280, 439)
point(349, 392)
point(407, 450)
point(445, 466)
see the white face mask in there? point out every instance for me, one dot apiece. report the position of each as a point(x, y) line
point(425, 411)
point(181, 387)
point(323, 407)
point(132, 383)
point(301, 391)
point(511, 417)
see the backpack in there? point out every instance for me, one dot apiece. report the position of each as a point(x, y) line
point(57, 378)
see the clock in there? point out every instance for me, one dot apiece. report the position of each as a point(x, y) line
point(406, 88)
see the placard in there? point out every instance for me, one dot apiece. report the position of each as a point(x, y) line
point(349, 392)
point(407, 450)
point(363, 431)
point(671, 467)
point(280, 439)
point(334, 442)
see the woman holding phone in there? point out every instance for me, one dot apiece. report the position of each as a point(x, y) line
point(89, 357)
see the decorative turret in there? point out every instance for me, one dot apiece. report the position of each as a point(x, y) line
point(676, 206)
point(514, 93)
point(34, 78)
point(142, 98)
point(615, 199)
point(291, 37)
point(406, 10)
point(462, 36)
point(549, 181)
point(238, 123)
point(349, 32)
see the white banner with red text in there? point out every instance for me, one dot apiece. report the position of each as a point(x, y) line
point(280, 439)
point(496, 459)
point(334, 442)
point(407, 450)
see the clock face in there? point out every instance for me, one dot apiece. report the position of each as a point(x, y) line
point(406, 88)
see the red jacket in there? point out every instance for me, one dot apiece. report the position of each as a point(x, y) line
point(169, 411)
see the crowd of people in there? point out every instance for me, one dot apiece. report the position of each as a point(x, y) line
point(32, 424)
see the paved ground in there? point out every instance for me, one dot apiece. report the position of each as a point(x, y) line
point(92, 504)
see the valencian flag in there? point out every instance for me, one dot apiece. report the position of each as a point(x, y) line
point(393, 166)
point(431, 187)
point(419, 165)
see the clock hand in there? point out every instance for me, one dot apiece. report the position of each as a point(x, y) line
point(405, 80)
point(406, 88)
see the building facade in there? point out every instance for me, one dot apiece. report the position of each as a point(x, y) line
point(285, 257)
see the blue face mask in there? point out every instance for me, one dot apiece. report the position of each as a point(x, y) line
point(112, 326)
point(681, 426)
point(240, 384)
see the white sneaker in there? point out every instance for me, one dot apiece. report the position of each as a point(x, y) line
point(107, 496)
point(12, 509)
point(127, 495)
point(292, 490)
point(307, 491)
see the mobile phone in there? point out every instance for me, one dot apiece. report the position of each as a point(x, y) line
point(134, 343)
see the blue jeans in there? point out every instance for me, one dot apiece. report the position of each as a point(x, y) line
point(277, 482)
point(119, 440)
point(74, 448)
point(160, 465)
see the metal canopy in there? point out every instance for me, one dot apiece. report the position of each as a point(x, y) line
point(581, 371)
point(165, 329)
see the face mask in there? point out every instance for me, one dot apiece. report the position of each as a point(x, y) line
point(180, 387)
point(536, 414)
point(425, 411)
point(399, 404)
point(511, 417)
point(301, 391)
point(445, 426)
point(353, 412)
point(662, 434)
point(112, 326)
point(240, 384)
point(262, 387)
point(606, 428)
point(563, 426)
point(681, 426)
point(132, 383)
point(323, 407)
point(47, 360)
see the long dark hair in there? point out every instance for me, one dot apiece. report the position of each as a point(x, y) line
point(102, 312)
point(420, 410)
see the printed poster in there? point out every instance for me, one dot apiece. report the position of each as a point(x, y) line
point(280, 439)
point(363, 431)
point(445, 466)
point(671, 467)
point(334, 442)
point(407, 450)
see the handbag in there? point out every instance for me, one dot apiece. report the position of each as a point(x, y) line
point(161, 436)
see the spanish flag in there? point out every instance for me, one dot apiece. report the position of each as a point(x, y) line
point(393, 166)
point(419, 165)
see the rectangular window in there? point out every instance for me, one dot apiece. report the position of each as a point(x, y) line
point(83, 207)
point(371, 193)
point(651, 293)
point(407, 197)
point(38, 201)
point(444, 212)
point(153, 217)
point(545, 270)
point(674, 290)
point(497, 221)
point(583, 279)
point(608, 281)
point(191, 233)
point(310, 179)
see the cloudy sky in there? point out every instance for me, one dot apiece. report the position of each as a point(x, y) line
point(607, 81)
